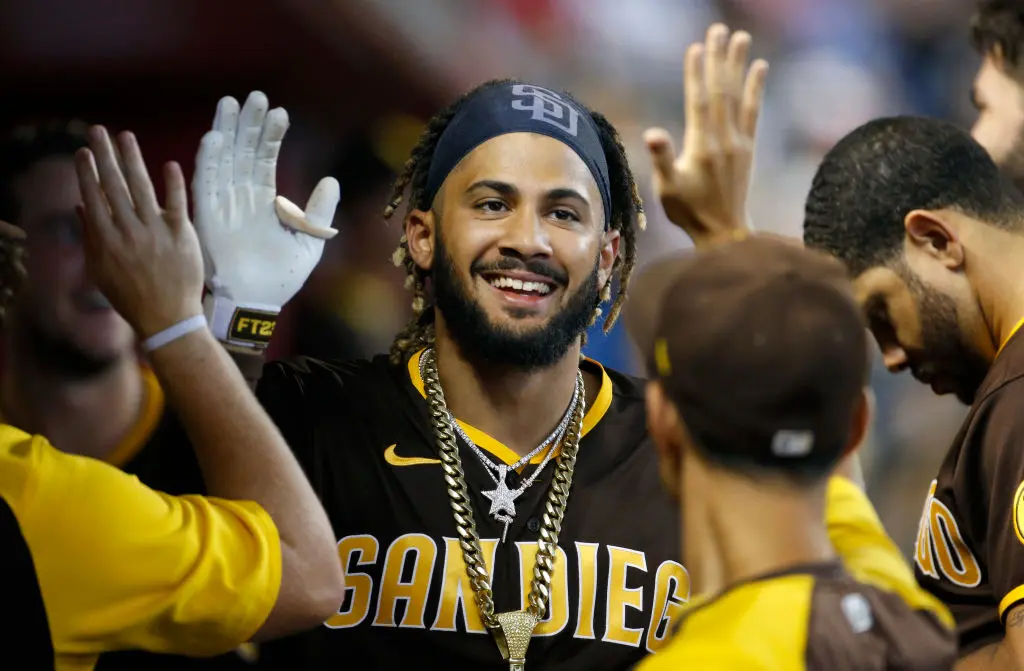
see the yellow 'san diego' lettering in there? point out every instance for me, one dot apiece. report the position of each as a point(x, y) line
point(419, 582)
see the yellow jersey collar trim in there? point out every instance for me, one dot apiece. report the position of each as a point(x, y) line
point(498, 449)
point(1013, 332)
point(152, 410)
point(149, 418)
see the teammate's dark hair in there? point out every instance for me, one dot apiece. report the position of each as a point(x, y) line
point(876, 175)
point(12, 272)
point(627, 216)
point(997, 27)
point(27, 145)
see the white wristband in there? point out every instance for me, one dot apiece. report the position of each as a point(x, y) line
point(169, 335)
point(248, 325)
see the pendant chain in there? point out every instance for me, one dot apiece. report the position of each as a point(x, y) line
point(458, 495)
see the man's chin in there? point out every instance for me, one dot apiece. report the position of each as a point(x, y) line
point(514, 324)
point(947, 387)
point(964, 393)
point(966, 396)
point(510, 341)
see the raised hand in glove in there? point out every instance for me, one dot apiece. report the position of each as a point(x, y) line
point(258, 247)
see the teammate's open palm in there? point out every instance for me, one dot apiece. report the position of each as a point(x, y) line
point(146, 260)
point(259, 247)
point(704, 188)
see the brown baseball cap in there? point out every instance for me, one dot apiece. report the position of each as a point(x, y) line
point(762, 348)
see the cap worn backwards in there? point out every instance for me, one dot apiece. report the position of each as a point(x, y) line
point(762, 348)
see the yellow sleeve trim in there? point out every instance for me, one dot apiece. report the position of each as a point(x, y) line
point(142, 430)
point(1012, 598)
point(868, 553)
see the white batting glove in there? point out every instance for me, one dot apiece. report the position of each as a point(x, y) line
point(258, 247)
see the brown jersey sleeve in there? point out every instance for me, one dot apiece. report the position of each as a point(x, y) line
point(999, 428)
point(853, 626)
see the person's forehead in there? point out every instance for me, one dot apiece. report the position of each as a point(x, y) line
point(528, 161)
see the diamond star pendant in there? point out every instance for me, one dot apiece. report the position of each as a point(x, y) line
point(503, 500)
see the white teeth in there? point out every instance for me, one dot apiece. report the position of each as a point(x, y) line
point(518, 285)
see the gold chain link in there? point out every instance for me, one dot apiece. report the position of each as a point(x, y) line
point(458, 495)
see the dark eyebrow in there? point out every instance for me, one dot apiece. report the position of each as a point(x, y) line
point(503, 188)
point(565, 194)
point(508, 190)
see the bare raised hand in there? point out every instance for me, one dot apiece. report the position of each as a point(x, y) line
point(704, 188)
point(146, 260)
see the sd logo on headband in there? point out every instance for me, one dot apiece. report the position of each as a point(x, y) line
point(497, 109)
point(547, 106)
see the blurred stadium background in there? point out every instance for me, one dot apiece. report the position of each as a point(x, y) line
point(359, 77)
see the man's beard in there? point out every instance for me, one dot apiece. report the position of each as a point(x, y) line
point(60, 356)
point(949, 355)
point(1012, 164)
point(479, 339)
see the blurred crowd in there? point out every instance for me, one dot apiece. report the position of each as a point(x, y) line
point(834, 65)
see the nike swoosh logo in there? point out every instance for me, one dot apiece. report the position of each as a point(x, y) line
point(395, 460)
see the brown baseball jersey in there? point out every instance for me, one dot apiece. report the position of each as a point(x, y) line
point(810, 618)
point(970, 546)
point(363, 433)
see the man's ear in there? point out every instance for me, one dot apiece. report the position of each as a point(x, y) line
point(609, 252)
point(663, 423)
point(931, 233)
point(860, 422)
point(419, 236)
point(860, 426)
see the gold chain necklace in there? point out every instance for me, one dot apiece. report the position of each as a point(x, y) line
point(512, 630)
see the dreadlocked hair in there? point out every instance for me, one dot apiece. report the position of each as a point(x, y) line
point(626, 216)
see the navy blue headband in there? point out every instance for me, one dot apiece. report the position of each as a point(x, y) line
point(519, 108)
